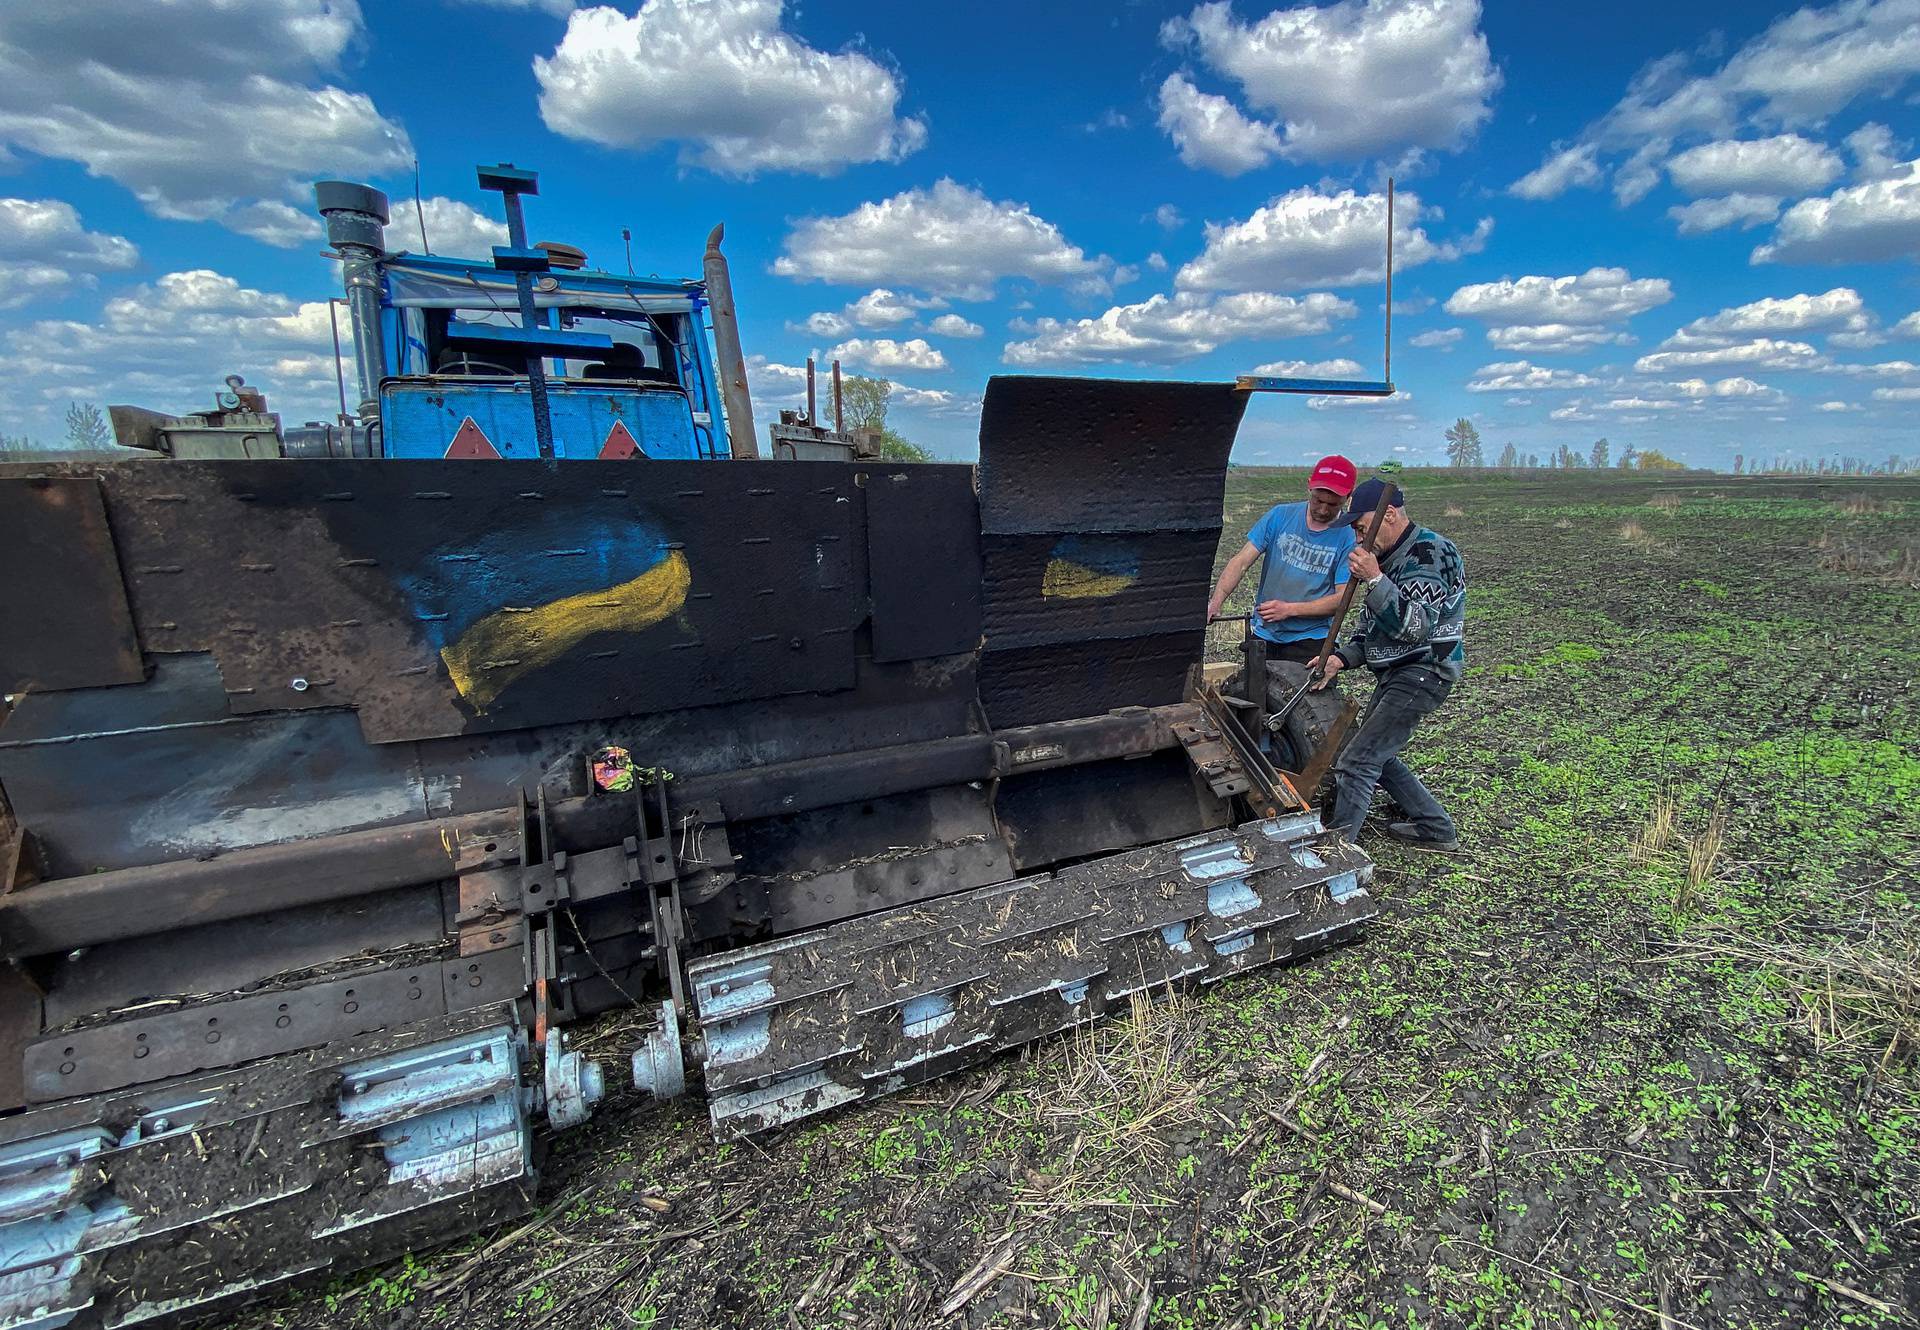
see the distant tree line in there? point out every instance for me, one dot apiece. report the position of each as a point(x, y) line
point(1465, 449)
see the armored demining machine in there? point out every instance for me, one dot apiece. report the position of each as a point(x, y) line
point(348, 767)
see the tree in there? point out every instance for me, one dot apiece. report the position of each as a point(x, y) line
point(17, 446)
point(1463, 444)
point(896, 449)
point(1533, 461)
point(1628, 455)
point(1599, 454)
point(1655, 460)
point(86, 427)
point(863, 402)
point(1509, 458)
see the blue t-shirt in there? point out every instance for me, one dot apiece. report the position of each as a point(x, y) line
point(1298, 563)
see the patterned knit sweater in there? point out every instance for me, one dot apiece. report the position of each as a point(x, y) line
point(1417, 612)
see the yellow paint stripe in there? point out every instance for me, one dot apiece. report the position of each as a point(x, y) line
point(509, 643)
point(1074, 581)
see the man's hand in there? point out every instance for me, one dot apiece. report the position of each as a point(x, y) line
point(1213, 610)
point(1273, 611)
point(1332, 665)
point(1362, 564)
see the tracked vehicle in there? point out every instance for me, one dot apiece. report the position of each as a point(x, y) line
point(336, 790)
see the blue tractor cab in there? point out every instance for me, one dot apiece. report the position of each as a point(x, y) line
point(526, 353)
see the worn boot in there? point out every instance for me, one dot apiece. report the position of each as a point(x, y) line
point(1409, 833)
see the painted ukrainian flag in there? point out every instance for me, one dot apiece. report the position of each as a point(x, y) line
point(1087, 567)
point(516, 602)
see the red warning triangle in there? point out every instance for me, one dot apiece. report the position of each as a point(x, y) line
point(470, 441)
point(620, 443)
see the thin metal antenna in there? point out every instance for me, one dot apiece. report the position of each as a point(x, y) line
point(339, 374)
point(1388, 367)
point(419, 209)
point(626, 238)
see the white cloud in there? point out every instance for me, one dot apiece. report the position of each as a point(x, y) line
point(936, 401)
point(1437, 337)
point(199, 107)
point(44, 250)
point(950, 239)
point(557, 8)
point(1836, 406)
point(1210, 132)
point(1178, 327)
point(1355, 79)
point(1596, 296)
point(1524, 376)
point(1306, 238)
point(1564, 169)
point(1896, 394)
point(1638, 404)
point(1886, 369)
point(1337, 368)
point(822, 323)
point(1877, 154)
point(1571, 411)
point(952, 325)
point(885, 308)
point(1546, 338)
point(1865, 223)
point(1157, 261)
point(1399, 398)
point(1168, 217)
point(722, 78)
point(1802, 69)
point(885, 353)
point(167, 344)
point(272, 222)
point(1743, 210)
point(1537, 314)
point(1837, 311)
point(1759, 353)
point(1782, 165)
point(1907, 327)
point(453, 228)
point(1735, 387)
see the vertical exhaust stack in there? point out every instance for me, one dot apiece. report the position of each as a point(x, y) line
point(356, 227)
point(726, 342)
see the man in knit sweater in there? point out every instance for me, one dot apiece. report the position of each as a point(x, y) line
point(1411, 634)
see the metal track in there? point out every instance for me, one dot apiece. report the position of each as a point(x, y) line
point(870, 1006)
point(177, 1203)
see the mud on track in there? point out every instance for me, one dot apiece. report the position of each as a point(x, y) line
point(1643, 1055)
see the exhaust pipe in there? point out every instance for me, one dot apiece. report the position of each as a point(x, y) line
point(726, 342)
point(356, 221)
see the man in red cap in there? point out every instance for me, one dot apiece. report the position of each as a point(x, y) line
point(1305, 548)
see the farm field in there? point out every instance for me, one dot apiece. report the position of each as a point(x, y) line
point(1646, 1053)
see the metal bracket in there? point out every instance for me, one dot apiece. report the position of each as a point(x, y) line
point(658, 1066)
point(573, 1084)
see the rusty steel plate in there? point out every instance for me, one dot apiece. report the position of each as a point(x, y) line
point(64, 621)
point(441, 598)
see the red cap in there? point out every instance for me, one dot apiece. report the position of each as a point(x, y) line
point(1334, 473)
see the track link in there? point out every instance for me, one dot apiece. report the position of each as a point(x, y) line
point(178, 1202)
point(870, 1006)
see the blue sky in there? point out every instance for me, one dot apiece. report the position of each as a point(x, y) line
point(1684, 227)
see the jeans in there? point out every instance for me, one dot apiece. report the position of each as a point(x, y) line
point(1402, 697)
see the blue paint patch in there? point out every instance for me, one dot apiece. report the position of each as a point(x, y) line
point(1103, 556)
point(537, 562)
